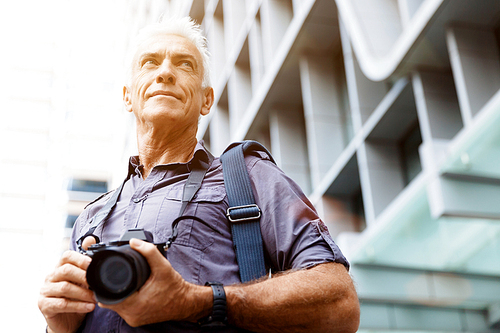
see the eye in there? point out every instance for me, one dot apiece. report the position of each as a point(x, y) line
point(148, 62)
point(186, 63)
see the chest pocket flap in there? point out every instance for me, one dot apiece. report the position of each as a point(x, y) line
point(208, 205)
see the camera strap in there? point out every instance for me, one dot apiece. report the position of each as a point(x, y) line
point(193, 183)
point(197, 173)
point(101, 215)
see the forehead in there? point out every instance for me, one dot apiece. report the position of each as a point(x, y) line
point(168, 44)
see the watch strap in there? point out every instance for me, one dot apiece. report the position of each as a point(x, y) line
point(218, 317)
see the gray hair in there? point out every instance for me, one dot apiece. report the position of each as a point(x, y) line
point(184, 27)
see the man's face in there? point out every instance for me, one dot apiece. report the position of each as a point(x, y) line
point(166, 86)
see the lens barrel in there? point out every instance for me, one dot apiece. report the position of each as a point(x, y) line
point(116, 272)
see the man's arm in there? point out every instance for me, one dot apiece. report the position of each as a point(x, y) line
point(319, 299)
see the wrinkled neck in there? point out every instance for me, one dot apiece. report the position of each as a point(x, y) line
point(155, 150)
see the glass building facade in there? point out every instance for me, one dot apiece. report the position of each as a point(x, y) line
point(387, 113)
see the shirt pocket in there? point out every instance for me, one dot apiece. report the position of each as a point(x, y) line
point(187, 254)
point(206, 205)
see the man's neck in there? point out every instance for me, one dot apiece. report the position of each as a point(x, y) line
point(153, 152)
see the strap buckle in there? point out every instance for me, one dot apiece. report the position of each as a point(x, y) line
point(245, 215)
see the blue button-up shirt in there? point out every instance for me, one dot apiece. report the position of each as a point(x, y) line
point(293, 235)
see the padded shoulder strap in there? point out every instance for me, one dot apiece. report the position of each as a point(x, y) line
point(243, 212)
point(248, 147)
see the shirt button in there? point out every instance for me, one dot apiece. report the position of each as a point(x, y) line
point(137, 200)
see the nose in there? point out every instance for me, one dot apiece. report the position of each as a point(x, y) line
point(165, 74)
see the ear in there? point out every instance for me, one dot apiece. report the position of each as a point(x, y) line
point(208, 101)
point(127, 100)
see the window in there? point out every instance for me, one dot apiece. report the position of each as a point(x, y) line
point(70, 221)
point(83, 185)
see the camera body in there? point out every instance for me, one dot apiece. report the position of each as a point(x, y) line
point(116, 270)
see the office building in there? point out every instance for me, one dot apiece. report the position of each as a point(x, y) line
point(387, 113)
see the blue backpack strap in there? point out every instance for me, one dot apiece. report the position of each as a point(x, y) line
point(243, 212)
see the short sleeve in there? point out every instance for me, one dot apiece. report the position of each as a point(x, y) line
point(77, 227)
point(293, 234)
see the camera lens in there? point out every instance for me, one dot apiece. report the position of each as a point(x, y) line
point(116, 274)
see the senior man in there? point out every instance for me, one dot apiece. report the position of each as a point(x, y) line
point(310, 289)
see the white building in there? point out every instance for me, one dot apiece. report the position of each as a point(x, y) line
point(387, 113)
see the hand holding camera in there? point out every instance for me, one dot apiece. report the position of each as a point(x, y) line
point(65, 298)
point(119, 269)
point(164, 296)
point(116, 270)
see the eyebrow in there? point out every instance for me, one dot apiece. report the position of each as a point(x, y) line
point(148, 55)
point(186, 56)
point(180, 55)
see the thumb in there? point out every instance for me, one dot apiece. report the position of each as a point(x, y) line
point(149, 251)
point(88, 241)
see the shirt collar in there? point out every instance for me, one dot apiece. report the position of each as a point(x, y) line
point(201, 155)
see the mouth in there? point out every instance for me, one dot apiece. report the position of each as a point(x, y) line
point(164, 93)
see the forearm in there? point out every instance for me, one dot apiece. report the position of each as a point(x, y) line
point(320, 299)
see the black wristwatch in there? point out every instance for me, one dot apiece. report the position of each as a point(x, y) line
point(218, 317)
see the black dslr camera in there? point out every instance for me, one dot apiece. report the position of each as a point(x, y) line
point(116, 270)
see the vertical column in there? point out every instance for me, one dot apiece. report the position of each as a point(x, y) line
point(341, 207)
point(324, 112)
point(197, 11)
point(257, 63)
point(239, 88)
point(288, 144)
point(217, 42)
point(389, 160)
point(440, 120)
point(384, 174)
point(235, 14)
point(276, 16)
point(219, 126)
point(475, 61)
point(364, 95)
point(437, 105)
point(262, 135)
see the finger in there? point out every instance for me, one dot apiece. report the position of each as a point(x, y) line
point(53, 306)
point(77, 259)
point(115, 307)
point(71, 273)
point(149, 251)
point(67, 290)
point(88, 241)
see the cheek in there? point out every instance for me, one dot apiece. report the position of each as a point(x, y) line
point(194, 90)
point(142, 82)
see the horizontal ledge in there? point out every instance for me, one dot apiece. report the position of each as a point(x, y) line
point(390, 317)
point(470, 177)
point(421, 287)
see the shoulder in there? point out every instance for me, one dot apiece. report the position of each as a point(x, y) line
point(94, 206)
point(261, 168)
point(102, 198)
point(259, 157)
point(86, 215)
